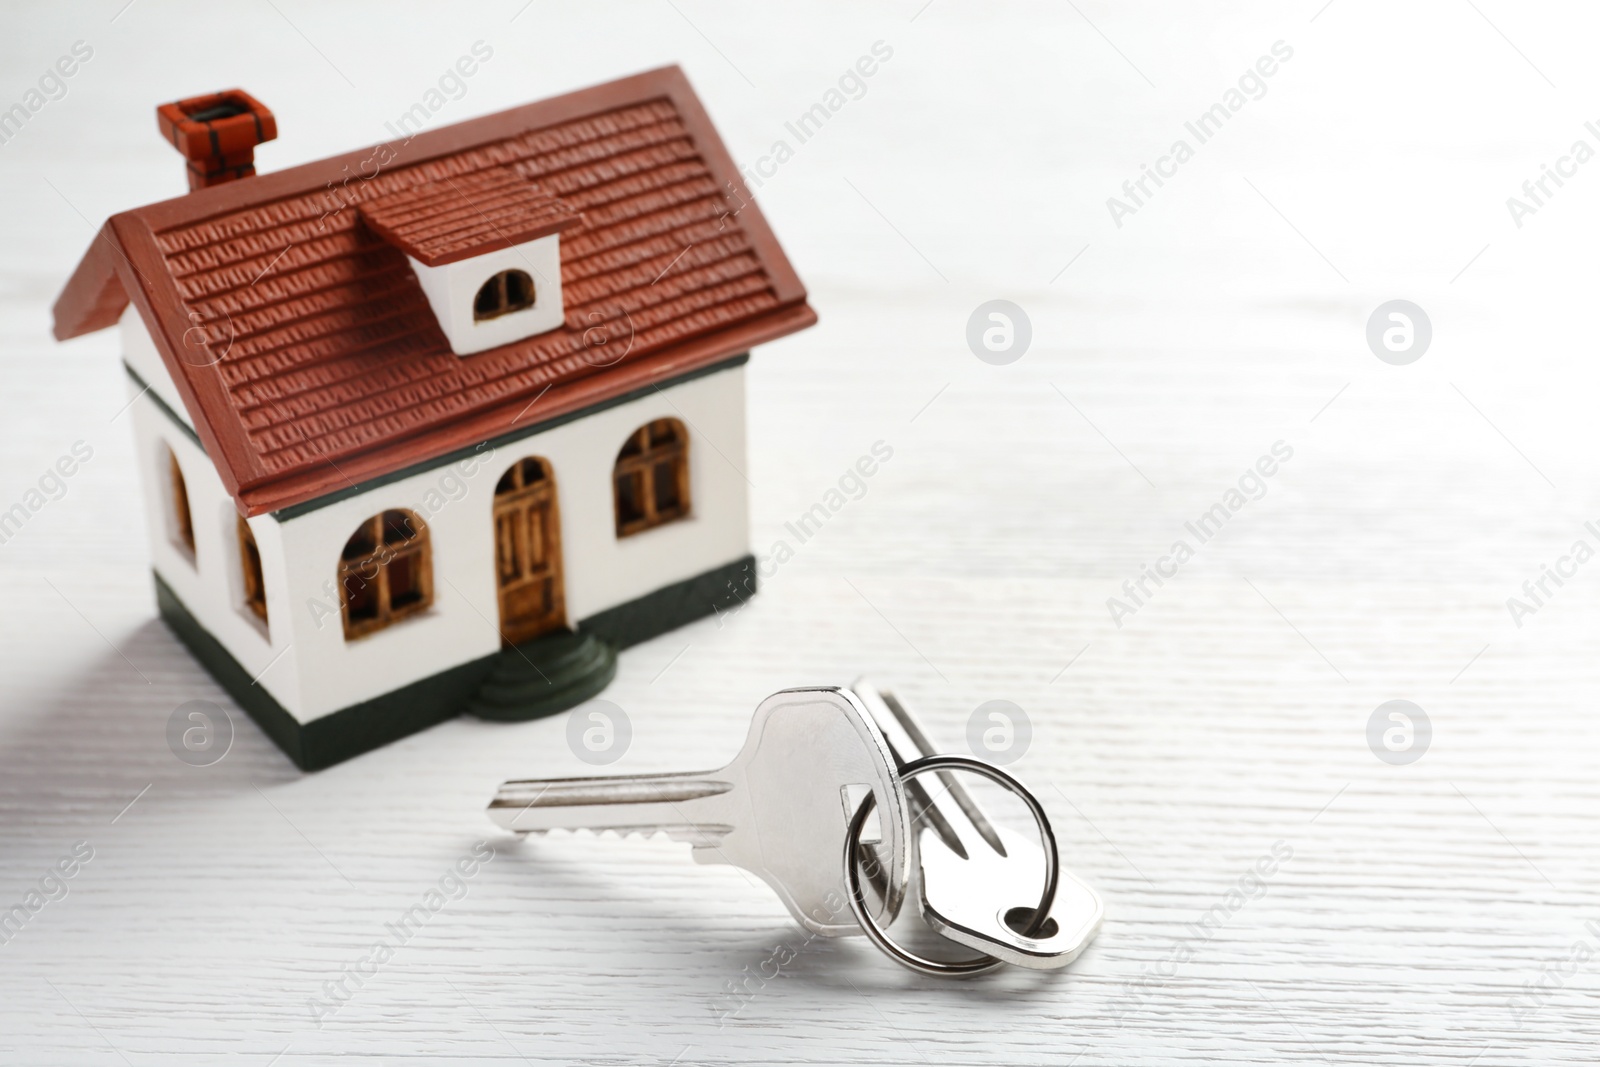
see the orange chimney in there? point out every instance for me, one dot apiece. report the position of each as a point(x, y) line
point(217, 133)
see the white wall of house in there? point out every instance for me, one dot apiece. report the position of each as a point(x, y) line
point(139, 352)
point(452, 289)
point(309, 666)
point(210, 581)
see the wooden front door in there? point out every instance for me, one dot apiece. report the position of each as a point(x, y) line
point(527, 549)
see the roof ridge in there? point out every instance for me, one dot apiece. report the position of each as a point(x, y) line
point(362, 182)
point(319, 214)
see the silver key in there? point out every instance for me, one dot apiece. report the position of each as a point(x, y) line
point(780, 810)
point(965, 863)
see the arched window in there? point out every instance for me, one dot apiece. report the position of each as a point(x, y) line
point(385, 573)
point(255, 589)
point(651, 478)
point(508, 291)
point(182, 520)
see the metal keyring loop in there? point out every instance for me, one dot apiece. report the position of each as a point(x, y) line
point(858, 903)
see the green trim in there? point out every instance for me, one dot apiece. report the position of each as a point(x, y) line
point(162, 406)
point(331, 739)
point(350, 731)
point(294, 511)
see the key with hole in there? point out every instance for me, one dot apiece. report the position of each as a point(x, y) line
point(967, 868)
point(780, 810)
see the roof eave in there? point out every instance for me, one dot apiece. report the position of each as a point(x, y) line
point(94, 296)
point(275, 494)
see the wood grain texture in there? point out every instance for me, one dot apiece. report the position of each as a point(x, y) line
point(1229, 713)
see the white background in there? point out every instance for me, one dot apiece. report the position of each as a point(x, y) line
point(1228, 714)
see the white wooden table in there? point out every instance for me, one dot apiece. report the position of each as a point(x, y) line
point(1431, 913)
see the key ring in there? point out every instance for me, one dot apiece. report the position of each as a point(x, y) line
point(858, 903)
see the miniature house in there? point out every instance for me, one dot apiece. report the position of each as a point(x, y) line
point(441, 426)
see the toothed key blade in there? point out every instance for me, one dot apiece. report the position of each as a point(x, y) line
point(674, 804)
point(780, 810)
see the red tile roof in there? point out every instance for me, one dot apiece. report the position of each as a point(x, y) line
point(451, 220)
point(307, 355)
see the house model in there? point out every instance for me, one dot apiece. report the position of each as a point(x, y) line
point(440, 426)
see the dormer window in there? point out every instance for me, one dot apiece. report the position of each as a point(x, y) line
point(486, 249)
point(508, 291)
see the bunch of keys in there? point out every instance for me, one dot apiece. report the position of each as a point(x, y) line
point(794, 808)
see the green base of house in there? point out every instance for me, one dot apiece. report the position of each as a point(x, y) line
point(544, 676)
point(714, 592)
point(496, 686)
point(348, 732)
